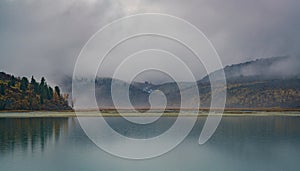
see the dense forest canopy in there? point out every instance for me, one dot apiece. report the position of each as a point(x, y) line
point(21, 94)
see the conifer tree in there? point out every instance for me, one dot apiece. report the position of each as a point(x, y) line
point(33, 81)
point(2, 89)
point(43, 81)
point(57, 91)
point(35, 85)
point(24, 84)
point(49, 93)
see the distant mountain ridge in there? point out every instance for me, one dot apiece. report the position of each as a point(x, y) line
point(255, 84)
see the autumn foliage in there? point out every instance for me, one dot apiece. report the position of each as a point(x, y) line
point(20, 94)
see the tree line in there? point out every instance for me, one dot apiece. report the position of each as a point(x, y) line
point(19, 93)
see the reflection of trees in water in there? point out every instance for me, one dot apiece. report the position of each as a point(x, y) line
point(30, 133)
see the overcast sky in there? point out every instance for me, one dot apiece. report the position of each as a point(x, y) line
point(44, 37)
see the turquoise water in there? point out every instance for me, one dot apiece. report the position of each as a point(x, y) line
point(240, 143)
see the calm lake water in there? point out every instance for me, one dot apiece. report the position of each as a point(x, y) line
point(240, 143)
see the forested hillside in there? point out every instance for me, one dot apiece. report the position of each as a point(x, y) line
point(254, 84)
point(21, 94)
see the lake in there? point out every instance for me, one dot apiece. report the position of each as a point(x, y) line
point(239, 143)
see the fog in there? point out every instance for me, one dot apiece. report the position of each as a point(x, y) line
point(44, 37)
point(276, 67)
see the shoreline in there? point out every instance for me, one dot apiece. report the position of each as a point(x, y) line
point(113, 110)
point(67, 114)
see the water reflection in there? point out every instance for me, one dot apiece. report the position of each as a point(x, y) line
point(30, 133)
point(239, 143)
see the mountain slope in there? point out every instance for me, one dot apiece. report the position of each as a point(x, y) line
point(255, 84)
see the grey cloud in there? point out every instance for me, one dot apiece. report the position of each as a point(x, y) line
point(44, 37)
